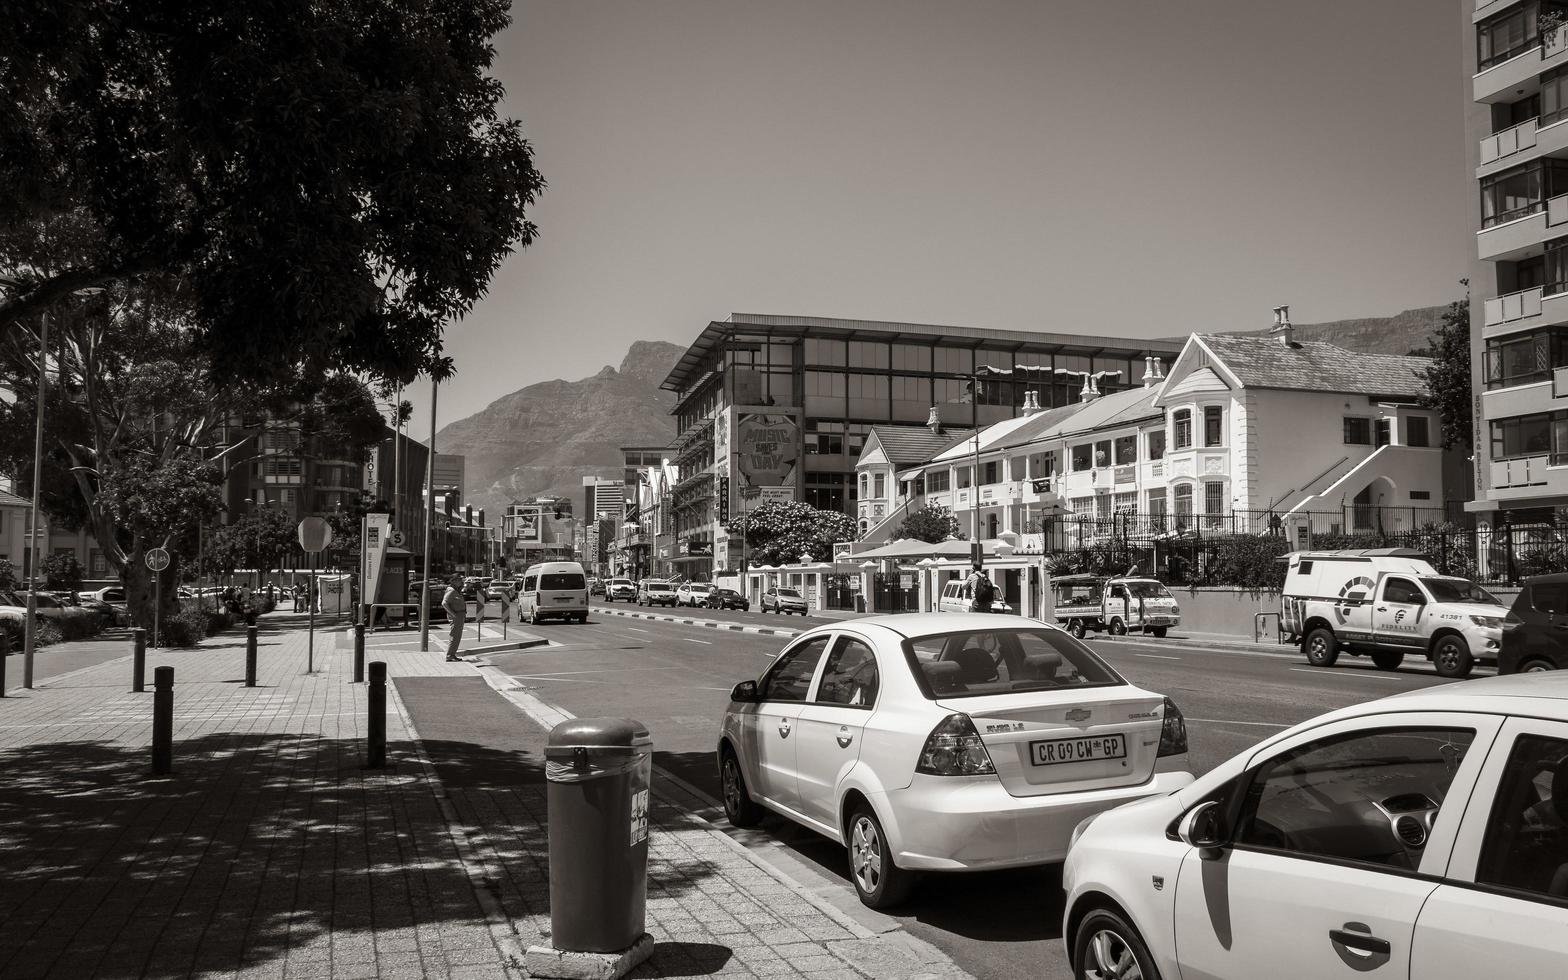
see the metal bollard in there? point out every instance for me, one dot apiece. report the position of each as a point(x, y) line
point(5, 651)
point(250, 656)
point(376, 745)
point(138, 660)
point(359, 653)
point(162, 720)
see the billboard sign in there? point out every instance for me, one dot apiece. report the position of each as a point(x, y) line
point(529, 525)
point(767, 449)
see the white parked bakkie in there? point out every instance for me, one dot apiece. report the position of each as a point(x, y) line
point(1388, 602)
point(943, 742)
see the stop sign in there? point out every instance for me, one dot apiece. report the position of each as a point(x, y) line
point(314, 535)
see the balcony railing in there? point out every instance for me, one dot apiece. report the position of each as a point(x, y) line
point(1526, 471)
point(1508, 141)
point(1560, 382)
point(1513, 306)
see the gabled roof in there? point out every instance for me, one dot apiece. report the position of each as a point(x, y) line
point(1263, 362)
point(906, 445)
point(1039, 423)
point(9, 499)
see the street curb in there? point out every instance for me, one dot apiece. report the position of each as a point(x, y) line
point(708, 623)
point(481, 876)
point(548, 715)
point(531, 642)
point(1239, 646)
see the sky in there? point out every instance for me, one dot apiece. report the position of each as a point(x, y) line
point(1135, 168)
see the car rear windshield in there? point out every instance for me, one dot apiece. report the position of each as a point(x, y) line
point(700, 588)
point(620, 581)
point(562, 581)
point(1458, 590)
point(657, 586)
point(980, 662)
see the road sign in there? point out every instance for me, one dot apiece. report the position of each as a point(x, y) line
point(395, 539)
point(157, 559)
point(314, 535)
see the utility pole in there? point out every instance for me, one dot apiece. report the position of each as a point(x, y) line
point(34, 551)
point(430, 508)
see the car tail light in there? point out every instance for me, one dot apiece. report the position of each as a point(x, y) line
point(954, 749)
point(1173, 730)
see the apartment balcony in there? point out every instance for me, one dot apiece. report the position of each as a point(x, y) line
point(1528, 476)
point(1502, 83)
point(1560, 382)
point(1488, 8)
point(1514, 311)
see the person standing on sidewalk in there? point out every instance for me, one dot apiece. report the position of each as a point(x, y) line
point(457, 610)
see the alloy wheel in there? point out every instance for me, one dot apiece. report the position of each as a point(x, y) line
point(1111, 958)
point(865, 854)
point(731, 786)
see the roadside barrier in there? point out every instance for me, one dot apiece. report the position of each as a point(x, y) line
point(250, 656)
point(162, 720)
point(376, 743)
point(359, 653)
point(138, 660)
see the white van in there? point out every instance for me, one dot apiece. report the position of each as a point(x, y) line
point(1387, 602)
point(957, 596)
point(556, 589)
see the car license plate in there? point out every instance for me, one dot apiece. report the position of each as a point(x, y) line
point(1091, 749)
point(563, 598)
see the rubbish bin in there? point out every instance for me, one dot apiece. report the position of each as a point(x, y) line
point(598, 771)
point(860, 603)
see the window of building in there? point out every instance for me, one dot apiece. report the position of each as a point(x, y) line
point(1358, 431)
point(937, 481)
point(1181, 421)
point(990, 473)
point(1102, 505)
point(952, 360)
point(1213, 498)
point(1183, 497)
point(863, 479)
point(867, 354)
point(97, 563)
point(1126, 503)
point(911, 357)
point(1552, 104)
point(1382, 431)
point(1213, 425)
point(1082, 457)
point(824, 438)
point(1525, 358)
point(1156, 502)
point(1527, 435)
point(1521, 191)
point(1510, 34)
point(1083, 505)
point(1125, 450)
point(1156, 441)
point(879, 484)
point(1102, 453)
point(1416, 431)
point(965, 477)
point(1420, 495)
point(829, 353)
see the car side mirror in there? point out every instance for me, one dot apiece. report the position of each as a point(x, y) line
point(1204, 828)
point(744, 693)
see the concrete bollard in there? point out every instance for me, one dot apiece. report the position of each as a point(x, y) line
point(138, 660)
point(359, 653)
point(250, 656)
point(5, 651)
point(162, 721)
point(376, 744)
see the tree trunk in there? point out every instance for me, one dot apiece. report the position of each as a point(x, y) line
point(140, 593)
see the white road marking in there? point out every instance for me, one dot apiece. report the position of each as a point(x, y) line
point(606, 670)
point(637, 629)
point(706, 643)
point(1346, 673)
point(1154, 656)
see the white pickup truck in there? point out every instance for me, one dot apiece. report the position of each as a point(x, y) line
point(1115, 604)
point(1386, 603)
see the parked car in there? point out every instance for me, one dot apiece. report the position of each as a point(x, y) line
point(652, 592)
point(783, 600)
point(553, 590)
point(949, 742)
point(1388, 602)
point(1114, 604)
point(958, 596)
point(1539, 640)
point(620, 588)
point(1416, 836)
point(596, 586)
point(693, 593)
point(500, 588)
point(727, 599)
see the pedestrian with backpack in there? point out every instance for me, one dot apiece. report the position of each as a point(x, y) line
point(982, 593)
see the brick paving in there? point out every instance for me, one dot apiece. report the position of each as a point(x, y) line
point(270, 852)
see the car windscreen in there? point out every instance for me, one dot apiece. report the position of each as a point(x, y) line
point(620, 581)
point(657, 587)
point(561, 582)
point(977, 662)
point(1148, 590)
point(790, 592)
point(1458, 590)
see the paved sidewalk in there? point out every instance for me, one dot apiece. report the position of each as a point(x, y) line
point(271, 853)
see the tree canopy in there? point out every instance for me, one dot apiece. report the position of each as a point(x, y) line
point(1449, 376)
point(778, 532)
point(932, 523)
point(322, 184)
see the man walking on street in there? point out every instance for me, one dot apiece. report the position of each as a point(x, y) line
point(981, 591)
point(457, 610)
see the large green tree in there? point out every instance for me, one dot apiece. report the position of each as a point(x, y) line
point(932, 523)
point(1449, 377)
point(324, 183)
point(778, 533)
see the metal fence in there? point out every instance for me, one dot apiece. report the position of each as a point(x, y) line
point(1240, 550)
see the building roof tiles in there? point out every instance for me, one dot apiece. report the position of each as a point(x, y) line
point(1262, 362)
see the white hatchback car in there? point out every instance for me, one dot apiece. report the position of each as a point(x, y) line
point(943, 742)
point(1423, 835)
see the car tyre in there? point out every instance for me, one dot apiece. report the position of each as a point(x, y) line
point(1321, 647)
point(1118, 628)
point(1388, 659)
point(1536, 666)
point(1106, 946)
point(1075, 627)
point(739, 808)
point(1451, 656)
point(879, 882)
point(1160, 631)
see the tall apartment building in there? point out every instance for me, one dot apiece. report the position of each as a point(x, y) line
point(1516, 123)
point(449, 474)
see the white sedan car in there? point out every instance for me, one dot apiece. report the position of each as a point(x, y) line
point(1420, 836)
point(693, 593)
point(943, 742)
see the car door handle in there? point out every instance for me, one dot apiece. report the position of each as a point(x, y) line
point(844, 737)
point(1359, 941)
point(784, 728)
point(1382, 609)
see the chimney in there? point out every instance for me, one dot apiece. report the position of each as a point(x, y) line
point(1149, 377)
point(934, 421)
point(1159, 369)
point(1089, 392)
point(1031, 406)
point(1282, 328)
